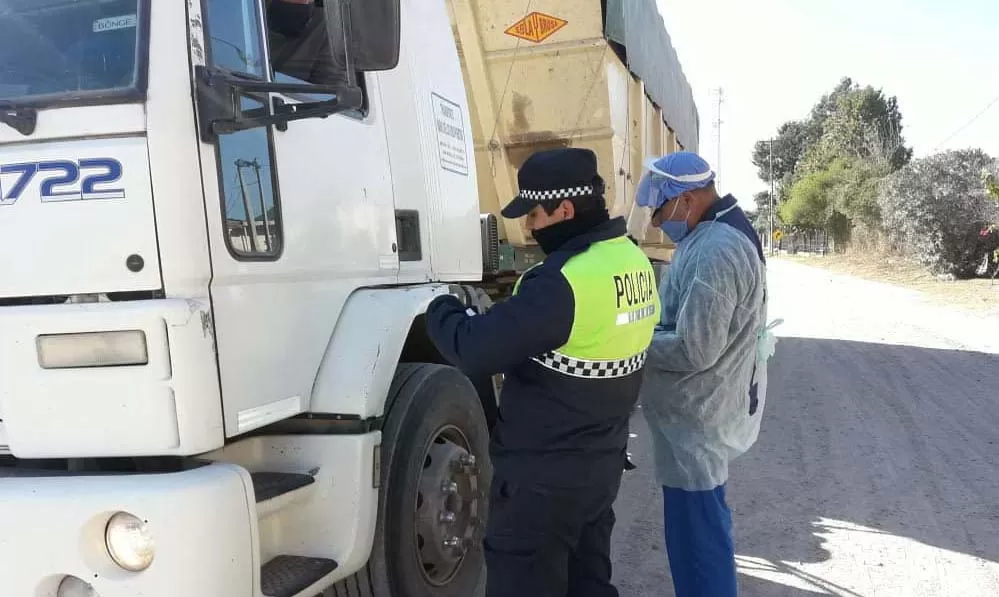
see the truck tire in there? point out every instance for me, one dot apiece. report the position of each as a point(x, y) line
point(432, 504)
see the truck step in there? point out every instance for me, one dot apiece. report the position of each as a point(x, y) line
point(268, 486)
point(277, 491)
point(287, 576)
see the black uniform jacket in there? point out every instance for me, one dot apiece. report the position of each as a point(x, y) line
point(553, 428)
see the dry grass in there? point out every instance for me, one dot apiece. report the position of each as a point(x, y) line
point(977, 295)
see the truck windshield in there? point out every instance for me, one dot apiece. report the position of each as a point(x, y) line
point(67, 49)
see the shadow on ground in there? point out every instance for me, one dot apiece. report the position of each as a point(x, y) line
point(876, 467)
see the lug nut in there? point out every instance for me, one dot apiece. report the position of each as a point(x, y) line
point(447, 517)
point(466, 464)
point(449, 487)
point(452, 543)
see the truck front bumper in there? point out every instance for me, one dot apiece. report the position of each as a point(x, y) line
point(202, 522)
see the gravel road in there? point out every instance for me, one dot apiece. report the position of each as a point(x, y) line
point(877, 469)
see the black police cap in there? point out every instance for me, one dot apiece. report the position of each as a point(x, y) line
point(553, 175)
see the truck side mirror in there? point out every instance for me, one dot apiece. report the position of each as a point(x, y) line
point(369, 28)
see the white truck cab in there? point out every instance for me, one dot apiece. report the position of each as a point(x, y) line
point(220, 234)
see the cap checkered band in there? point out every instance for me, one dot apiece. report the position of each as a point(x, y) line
point(591, 369)
point(548, 195)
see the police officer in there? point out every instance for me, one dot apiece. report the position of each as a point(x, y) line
point(572, 342)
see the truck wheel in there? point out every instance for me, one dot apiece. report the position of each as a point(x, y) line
point(433, 499)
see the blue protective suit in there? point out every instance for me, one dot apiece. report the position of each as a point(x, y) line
point(705, 379)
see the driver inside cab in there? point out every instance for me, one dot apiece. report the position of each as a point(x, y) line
point(299, 42)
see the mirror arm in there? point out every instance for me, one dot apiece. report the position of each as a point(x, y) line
point(259, 117)
point(220, 112)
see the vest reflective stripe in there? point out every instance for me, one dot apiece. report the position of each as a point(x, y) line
point(616, 310)
point(567, 365)
point(638, 315)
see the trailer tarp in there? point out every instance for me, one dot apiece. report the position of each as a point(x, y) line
point(639, 27)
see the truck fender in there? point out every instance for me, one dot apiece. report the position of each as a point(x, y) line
point(365, 348)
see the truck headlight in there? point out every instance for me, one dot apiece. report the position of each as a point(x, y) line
point(72, 586)
point(92, 349)
point(129, 542)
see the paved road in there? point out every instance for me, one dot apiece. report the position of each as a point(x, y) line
point(877, 469)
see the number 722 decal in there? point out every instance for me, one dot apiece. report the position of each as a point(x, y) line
point(62, 180)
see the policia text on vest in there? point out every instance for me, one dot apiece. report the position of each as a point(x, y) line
point(635, 288)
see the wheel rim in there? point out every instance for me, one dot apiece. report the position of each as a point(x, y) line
point(448, 505)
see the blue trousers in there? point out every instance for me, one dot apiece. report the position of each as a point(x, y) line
point(699, 542)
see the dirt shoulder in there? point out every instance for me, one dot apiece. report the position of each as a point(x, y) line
point(981, 296)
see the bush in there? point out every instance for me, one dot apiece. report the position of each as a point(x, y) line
point(935, 209)
point(814, 201)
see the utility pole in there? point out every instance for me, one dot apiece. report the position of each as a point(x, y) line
point(255, 164)
point(718, 131)
point(263, 206)
point(240, 164)
point(772, 198)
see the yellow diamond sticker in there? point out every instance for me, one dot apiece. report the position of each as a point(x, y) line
point(536, 27)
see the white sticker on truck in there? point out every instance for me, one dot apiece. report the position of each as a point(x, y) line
point(115, 23)
point(450, 135)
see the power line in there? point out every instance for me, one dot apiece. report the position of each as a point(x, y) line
point(506, 86)
point(969, 123)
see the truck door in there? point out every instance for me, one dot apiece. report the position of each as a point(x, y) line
point(303, 212)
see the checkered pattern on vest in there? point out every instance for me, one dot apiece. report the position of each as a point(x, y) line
point(582, 368)
point(548, 195)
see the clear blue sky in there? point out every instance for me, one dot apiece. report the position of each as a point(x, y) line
point(775, 58)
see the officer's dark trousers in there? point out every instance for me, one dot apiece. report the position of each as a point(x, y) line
point(543, 541)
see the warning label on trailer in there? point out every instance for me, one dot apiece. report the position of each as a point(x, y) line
point(536, 27)
point(450, 135)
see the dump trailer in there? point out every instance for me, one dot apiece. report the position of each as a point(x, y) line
point(596, 74)
point(224, 224)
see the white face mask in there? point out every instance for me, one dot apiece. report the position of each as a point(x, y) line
point(676, 230)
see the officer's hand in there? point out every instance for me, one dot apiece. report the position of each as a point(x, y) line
point(476, 298)
point(462, 293)
point(483, 302)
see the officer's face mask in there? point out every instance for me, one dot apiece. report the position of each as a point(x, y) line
point(288, 19)
point(552, 236)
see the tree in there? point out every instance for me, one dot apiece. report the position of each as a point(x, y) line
point(865, 125)
point(811, 202)
point(789, 146)
point(860, 125)
point(991, 184)
point(936, 208)
point(991, 232)
point(760, 218)
point(762, 200)
point(855, 194)
point(796, 139)
point(829, 102)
